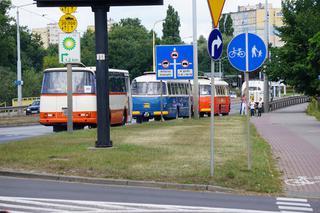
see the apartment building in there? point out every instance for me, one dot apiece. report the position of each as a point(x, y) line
point(49, 35)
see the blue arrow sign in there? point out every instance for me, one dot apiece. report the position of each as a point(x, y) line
point(174, 62)
point(215, 44)
point(247, 52)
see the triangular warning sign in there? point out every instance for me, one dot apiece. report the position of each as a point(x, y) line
point(216, 7)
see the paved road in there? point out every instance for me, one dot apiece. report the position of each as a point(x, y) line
point(295, 140)
point(27, 195)
point(8, 134)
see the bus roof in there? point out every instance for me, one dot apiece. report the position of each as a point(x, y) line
point(89, 69)
point(151, 77)
point(207, 81)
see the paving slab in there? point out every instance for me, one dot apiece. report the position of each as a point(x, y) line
point(295, 140)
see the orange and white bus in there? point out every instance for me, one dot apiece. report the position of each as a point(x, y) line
point(53, 99)
point(221, 97)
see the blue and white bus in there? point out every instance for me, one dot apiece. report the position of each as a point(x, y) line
point(146, 98)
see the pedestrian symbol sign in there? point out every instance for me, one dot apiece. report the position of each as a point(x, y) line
point(69, 48)
point(247, 52)
point(174, 62)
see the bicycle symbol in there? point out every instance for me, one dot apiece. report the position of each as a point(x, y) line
point(302, 181)
point(239, 53)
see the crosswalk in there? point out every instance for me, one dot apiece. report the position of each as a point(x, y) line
point(293, 205)
point(26, 205)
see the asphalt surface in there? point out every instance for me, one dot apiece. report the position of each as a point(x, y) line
point(8, 134)
point(18, 192)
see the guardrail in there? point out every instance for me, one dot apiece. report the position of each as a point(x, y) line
point(287, 101)
point(12, 111)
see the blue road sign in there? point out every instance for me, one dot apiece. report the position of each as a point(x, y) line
point(174, 62)
point(242, 47)
point(215, 44)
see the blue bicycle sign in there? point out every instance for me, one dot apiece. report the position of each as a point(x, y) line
point(247, 52)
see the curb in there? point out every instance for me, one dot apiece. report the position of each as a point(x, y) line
point(118, 182)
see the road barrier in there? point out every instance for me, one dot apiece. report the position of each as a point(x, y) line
point(287, 101)
point(12, 111)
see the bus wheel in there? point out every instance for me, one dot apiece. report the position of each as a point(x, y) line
point(201, 114)
point(59, 128)
point(124, 118)
point(139, 120)
point(144, 119)
point(78, 127)
point(157, 118)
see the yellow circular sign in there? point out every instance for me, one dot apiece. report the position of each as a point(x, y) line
point(68, 10)
point(68, 23)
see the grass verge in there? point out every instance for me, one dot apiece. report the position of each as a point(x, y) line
point(19, 120)
point(175, 151)
point(314, 108)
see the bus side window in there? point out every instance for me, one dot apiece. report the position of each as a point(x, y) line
point(169, 89)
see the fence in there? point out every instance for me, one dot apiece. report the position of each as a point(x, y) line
point(287, 101)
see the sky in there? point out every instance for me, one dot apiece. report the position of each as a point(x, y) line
point(34, 17)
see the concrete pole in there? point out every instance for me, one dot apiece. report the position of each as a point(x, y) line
point(195, 60)
point(266, 81)
point(19, 78)
point(69, 98)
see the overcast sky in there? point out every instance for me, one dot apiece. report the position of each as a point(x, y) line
point(149, 15)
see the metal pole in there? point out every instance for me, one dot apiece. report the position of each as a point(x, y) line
point(220, 70)
point(102, 73)
point(161, 105)
point(19, 81)
point(248, 103)
point(266, 82)
point(153, 51)
point(190, 109)
point(69, 98)
point(195, 60)
point(212, 120)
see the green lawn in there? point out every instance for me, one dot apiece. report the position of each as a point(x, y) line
point(175, 151)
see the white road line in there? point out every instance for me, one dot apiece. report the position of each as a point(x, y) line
point(296, 208)
point(292, 199)
point(293, 204)
point(27, 207)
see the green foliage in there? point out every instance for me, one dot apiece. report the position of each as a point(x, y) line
point(226, 25)
point(51, 60)
point(32, 83)
point(171, 25)
point(314, 108)
point(130, 47)
point(7, 86)
point(297, 62)
point(88, 48)
point(204, 61)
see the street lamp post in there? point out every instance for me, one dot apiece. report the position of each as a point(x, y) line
point(266, 82)
point(154, 44)
point(19, 81)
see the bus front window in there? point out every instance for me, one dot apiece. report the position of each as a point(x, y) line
point(205, 90)
point(55, 82)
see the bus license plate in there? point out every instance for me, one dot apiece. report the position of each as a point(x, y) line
point(146, 105)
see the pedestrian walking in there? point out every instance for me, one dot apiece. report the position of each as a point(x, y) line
point(260, 107)
point(243, 109)
point(252, 107)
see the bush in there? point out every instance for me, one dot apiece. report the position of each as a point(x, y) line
point(314, 108)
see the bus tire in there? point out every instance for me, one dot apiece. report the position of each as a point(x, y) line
point(59, 128)
point(157, 118)
point(139, 119)
point(201, 114)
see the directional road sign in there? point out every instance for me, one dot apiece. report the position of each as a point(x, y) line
point(247, 52)
point(215, 44)
point(174, 62)
point(216, 7)
point(69, 48)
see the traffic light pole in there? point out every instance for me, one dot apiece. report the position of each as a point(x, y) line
point(102, 76)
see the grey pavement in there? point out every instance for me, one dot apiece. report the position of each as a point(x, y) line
point(295, 140)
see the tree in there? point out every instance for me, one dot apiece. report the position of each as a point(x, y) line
point(222, 23)
point(32, 83)
point(171, 25)
point(297, 58)
point(88, 48)
point(203, 57)
point(229, 26)
point(130, 47)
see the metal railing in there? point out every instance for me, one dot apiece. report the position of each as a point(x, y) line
point(12, 111)
point(287, 101)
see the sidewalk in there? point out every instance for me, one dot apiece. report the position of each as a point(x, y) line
point(295, 140)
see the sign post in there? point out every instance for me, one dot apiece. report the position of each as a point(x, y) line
point(215, 48)
point(247, 52)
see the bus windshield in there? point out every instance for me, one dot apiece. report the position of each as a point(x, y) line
point(56, 82)
point(205, 90)
point(148, 88)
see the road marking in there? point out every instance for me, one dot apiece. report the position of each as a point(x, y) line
point(58, 205)
point(293, 205)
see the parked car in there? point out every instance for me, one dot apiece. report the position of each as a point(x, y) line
point(34, 108)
